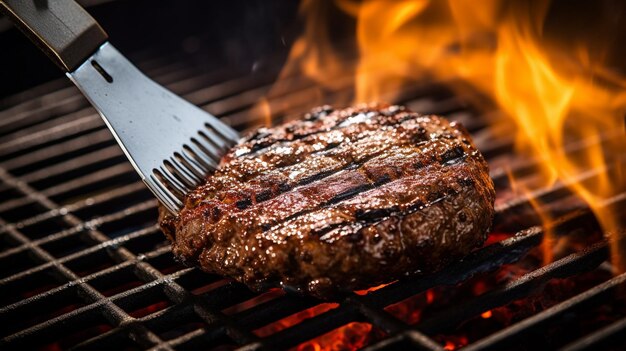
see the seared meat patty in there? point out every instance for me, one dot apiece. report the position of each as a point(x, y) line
point(340, 200)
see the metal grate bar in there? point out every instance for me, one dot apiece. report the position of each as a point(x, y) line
point(573, 264)
point(108, 153)
point(606, 337)
point(87, 279)
point(390, 324)
point(525, 167)
point(308, 329)
point(98, 138)
point(114, 194)
point(92, 224)
point(552, 193)
point(114, 312)
point(117, 315)
point(506, 337)
point(409, 340)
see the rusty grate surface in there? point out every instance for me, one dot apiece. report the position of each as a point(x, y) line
point(83, 264)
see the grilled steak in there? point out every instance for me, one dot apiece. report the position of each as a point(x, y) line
point(341, 200)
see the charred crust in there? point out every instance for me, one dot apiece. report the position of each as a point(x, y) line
point(435, 195)
point(314, 177)
point(419, 164)
point(263, 195)
point(462, 217)
point(306, 256)
point(331, 145)
point(453, 155)
point(405, 191)
point(355, 237)
point(385, 178)
point(369, 215)
point(284, 187)
point(243, 204)
point(348, 193)
point(261, 144)
point(377, 238)
point(466, 181)
point(258, 135)
point(216, 213)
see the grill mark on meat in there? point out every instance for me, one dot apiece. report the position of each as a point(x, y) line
point(243, 204)
point(351, 193)
point(377, 217)
point(263, 196)
point(331, 146)
point(348, 193)
point(353, 165)
point(338, 124)
point(346, 167)
point(377, 213)
point(454, 155)
point(362, 135)
point(374, 216)
point(315, 177)
point(340, 201)
point(322, 175)
point(385, 178)
point(373, 183)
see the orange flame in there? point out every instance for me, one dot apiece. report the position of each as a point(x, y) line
point(265, 110)
point(554, 92)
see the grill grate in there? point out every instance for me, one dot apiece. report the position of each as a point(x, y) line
point(83, 263)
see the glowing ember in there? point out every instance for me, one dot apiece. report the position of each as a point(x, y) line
point(367, 291)
point(430, 296)
point(294, 319)
point(352, 336)
point(455, 343)
point(449, 346)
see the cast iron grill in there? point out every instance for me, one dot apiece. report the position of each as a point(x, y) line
point(83, 264)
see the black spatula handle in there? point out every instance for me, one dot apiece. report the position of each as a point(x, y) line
point(61, 28)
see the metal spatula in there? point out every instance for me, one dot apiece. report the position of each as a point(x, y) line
point(171, 143)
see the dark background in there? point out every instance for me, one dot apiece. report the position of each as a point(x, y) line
point(242, 33)
point(239, 32)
